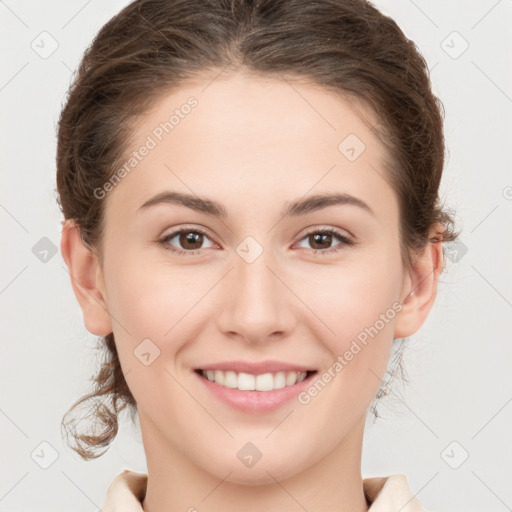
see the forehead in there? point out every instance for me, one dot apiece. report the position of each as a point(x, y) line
point(249, 137)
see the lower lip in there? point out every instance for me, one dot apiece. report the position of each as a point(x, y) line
point(255, 401)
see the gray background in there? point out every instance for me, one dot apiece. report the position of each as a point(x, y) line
point(458, 401)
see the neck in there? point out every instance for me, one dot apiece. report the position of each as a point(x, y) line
point(175, 483)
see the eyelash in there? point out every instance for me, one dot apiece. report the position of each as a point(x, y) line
point(344, 239)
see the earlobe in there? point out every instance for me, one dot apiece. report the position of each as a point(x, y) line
point(86, 279)
point(419, 291)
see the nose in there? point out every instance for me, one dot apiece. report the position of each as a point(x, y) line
point(257, 304)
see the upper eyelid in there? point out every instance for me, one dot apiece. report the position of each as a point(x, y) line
point(340, 231)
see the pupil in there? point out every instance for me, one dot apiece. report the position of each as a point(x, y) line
point(326, 238)
point(191, 238)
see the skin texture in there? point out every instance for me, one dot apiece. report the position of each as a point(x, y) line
point(253, 144)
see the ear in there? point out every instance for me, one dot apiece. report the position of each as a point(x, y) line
point(419, 290)
point(86, 279)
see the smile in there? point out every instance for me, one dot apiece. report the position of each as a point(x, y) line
point(255, 387)
point(250, 382)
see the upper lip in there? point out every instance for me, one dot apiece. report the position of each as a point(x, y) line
point(256, 368)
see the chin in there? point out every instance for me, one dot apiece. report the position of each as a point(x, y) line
point(263, 472)
point(258, 477)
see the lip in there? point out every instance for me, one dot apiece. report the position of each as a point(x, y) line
point(256, 368)
point(254, 402)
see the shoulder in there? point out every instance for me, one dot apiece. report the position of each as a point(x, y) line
point(126, 492)
point(390, 494)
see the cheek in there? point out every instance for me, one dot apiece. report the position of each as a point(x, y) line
point(349, 298)
point(151, 299)
point(357, 308)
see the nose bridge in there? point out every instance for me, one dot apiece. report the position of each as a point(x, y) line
point(258, 302)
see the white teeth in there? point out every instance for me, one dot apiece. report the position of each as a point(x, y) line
point(302, 376)
point(230, 380)
point(219, 377)
point(246, 381)
point(291, 379)
point(265, 382)
point(279, 380)
point(249, 382)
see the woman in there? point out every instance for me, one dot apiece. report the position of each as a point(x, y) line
point(250, 193)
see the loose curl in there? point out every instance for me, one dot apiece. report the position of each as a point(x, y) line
point(153, 46)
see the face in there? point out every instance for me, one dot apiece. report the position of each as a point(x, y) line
point(255, 289)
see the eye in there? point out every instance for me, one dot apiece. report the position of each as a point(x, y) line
point(324, 237)
point(190, 239)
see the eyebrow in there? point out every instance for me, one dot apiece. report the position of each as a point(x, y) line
point(294, 209)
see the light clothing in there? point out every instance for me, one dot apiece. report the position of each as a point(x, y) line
point(386, 494)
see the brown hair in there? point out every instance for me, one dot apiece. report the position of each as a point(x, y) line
point(345, 46)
